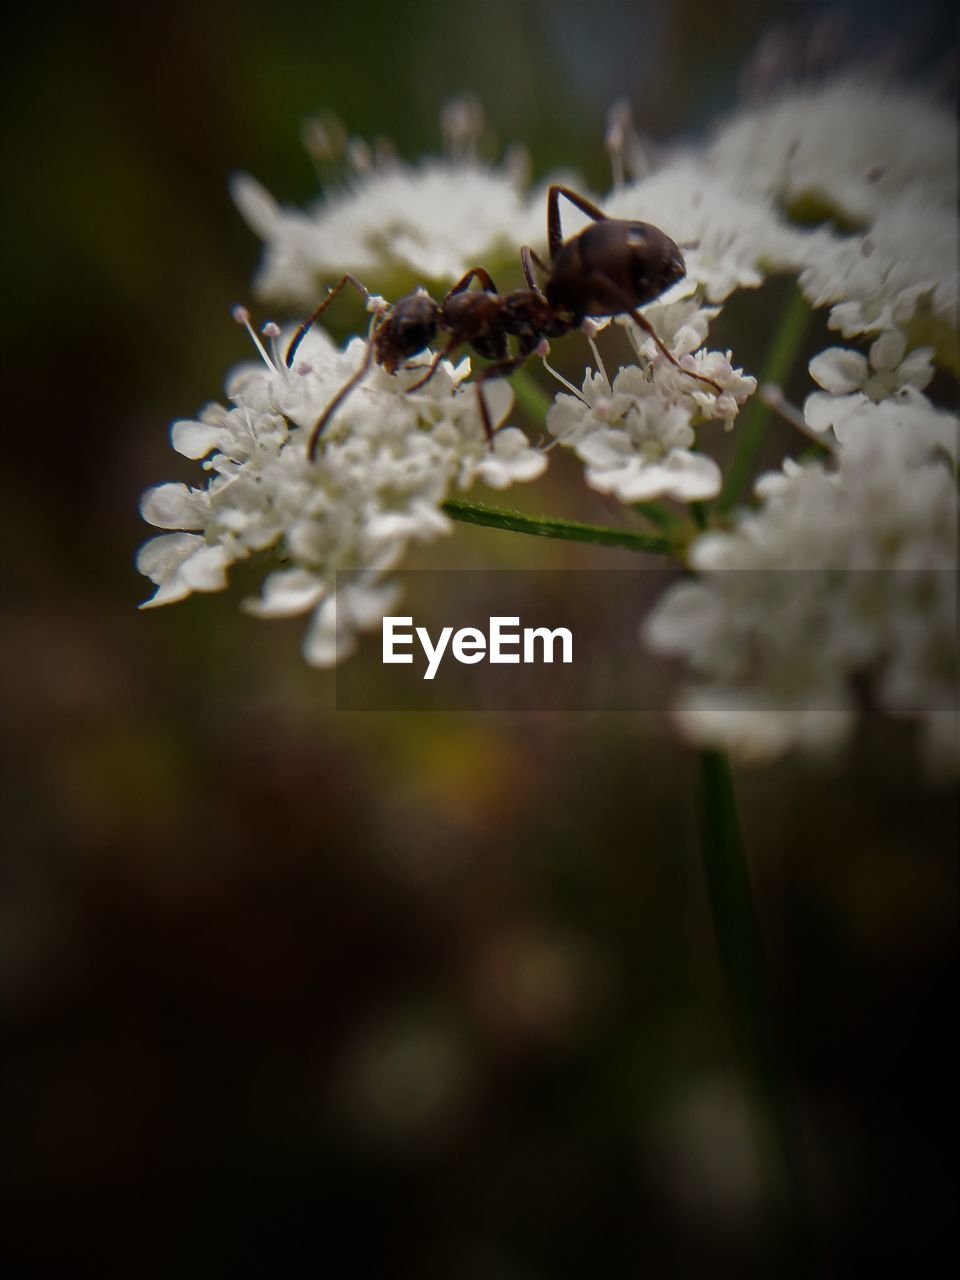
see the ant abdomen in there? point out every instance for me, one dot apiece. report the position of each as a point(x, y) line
point(612, 260)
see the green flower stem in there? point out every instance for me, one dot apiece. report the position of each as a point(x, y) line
point(660, 516)
point(742, 961)
point(756, 417)
point(566, 530)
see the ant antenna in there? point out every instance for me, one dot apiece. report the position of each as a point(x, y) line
point(341, 395)
point(308, 324)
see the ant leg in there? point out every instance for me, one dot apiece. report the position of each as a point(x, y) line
point(504, 368)
point(529, 261)
point(484, 414)
point(648, 329)
point(501, 369)
point(307, 325)
point(554, 233)
point(630, 310)
point(464, 283)
point(338, 399)
point(445, 354)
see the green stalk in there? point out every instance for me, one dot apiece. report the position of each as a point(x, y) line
point(756, 417)
point(660, 516)
point(742, 961)
point(566, 530)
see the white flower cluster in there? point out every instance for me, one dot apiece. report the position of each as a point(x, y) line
point(841, 570)
point(899, 276)
point(635, 432)
point(845, 570)
point(387, 463)
point(879, 157)
point(395, 224)
point(848, 568)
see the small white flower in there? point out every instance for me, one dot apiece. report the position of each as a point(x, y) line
point(906, 422)
point(387, 463)
point(634, 439)
point(841, 572)
point(682, 327)
point(636, 435)
point(887, 369)
point(179, 564)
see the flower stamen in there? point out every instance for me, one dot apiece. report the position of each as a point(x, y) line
point(242, 317)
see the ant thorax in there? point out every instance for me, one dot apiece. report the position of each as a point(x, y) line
point(476, 318)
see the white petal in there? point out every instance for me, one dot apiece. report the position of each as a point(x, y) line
point(170, 592)
point(173, 506)
point(257, 206)
point(823, 411)
point(688, 477)
point(195, 439)
point(888, 350)
point(499, 397)
point(684, 617)
point(285, 593)
point(694, 476)
point(839, 370)
point(324, 645)
point(206, 570)
point(605, 448)
point(163, 555)
point(511, 461)
point(367, 603)
point(917, 368)
point(500, 473)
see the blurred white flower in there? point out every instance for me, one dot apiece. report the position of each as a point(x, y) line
point(919, 429)
point(395, 224)
point(851, 145)
point(884, 371)
point(841, 572)
point(903, 272)
point(386, 464)
point(730, 240)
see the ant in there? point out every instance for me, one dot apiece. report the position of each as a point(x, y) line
point(610, 268)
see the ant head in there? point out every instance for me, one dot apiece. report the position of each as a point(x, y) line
point(407, 329)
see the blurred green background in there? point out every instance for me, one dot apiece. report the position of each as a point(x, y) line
point(384, 995)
